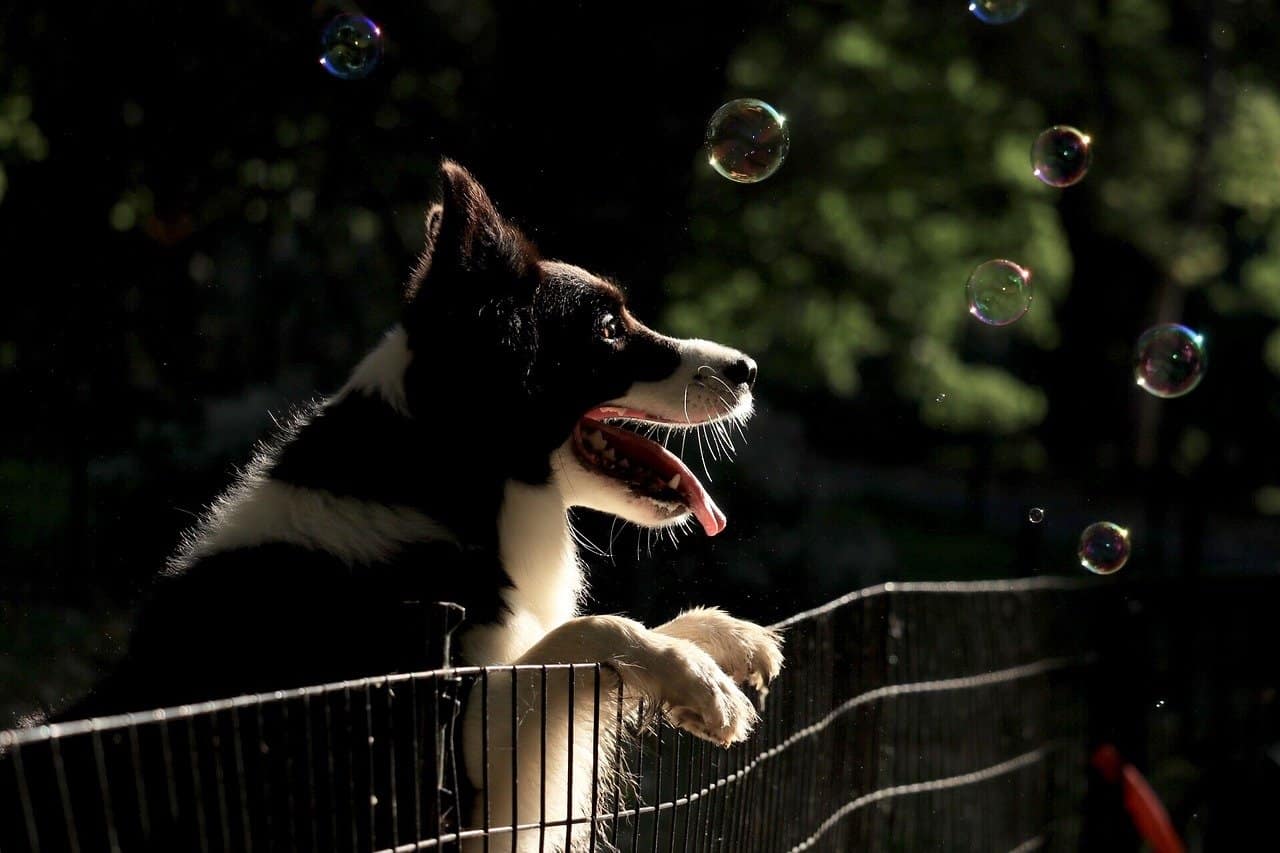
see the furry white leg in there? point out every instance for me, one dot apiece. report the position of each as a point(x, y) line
point(662, 670)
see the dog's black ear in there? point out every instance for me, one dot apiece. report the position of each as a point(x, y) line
point(468, 243)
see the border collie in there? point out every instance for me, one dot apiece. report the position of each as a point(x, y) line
point(444, 470)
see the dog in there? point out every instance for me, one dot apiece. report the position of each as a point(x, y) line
point(512, 391)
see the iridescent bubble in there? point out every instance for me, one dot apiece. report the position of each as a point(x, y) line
point(1169, 360)
point(999, 292)
point(998, 11)
point(352, 47)
point(1035, 515)
point(747, 140)
point(1104, 548)
point(1061, 155)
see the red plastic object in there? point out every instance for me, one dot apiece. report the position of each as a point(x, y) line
point(1145, 809)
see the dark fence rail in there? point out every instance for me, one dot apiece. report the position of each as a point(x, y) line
point(909, 716)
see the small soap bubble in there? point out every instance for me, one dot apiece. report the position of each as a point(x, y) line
point(1035, 515)
point(352, 47)
point(1169, 360)
point(1061, 155)
point(1104, 548)
point(747, 140)
point(998, 11)
point(999, 292)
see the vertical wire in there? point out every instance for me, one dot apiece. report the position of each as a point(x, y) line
point(220, 777)
point(351, 767)
point(108, 815)
point(391, 763)
point(717, 802)
point(657, 782)
point(24, 797)
point(697, 812)
point(238, 737)
point(595, 759)
point(515, 763)
point(484, 752)
point(166, 751)
point(689, 763)
point(741, 798)
point(542, 775)
point(311, 769)
point(573, 710)
point(290, 807)
point(332, 801)
point(767, 819)
point(639, 750)
point(810, 754)
point(676, 738)
point(707, 800)
point(416, 749)
point(139, 785)
point(264, 774)
point(64, 793)
point(438, 760)
point(197, 790)
point(372, 798)
point(617, 767)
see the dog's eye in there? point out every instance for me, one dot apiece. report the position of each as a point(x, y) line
point(610, 327)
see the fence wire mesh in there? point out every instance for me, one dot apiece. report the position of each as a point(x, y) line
point(909, 716)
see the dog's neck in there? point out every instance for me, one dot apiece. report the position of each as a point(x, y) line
point(534, 541)
point(539, 556)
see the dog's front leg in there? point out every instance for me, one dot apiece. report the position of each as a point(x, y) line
point(664, 671)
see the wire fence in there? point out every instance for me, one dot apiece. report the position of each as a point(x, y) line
point(909, 716)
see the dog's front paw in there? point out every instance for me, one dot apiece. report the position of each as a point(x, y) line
point(749, 653)
point(701, 698)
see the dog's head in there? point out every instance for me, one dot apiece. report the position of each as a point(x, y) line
point(551, 376)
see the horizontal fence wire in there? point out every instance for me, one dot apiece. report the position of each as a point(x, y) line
point(908, 716)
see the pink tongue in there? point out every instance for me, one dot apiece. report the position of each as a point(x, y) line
point(668, 465)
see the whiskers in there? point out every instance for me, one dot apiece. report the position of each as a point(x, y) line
point(719, 415)
point(648, 537)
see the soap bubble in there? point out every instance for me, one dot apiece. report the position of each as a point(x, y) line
point(352, 47)
point(1035, 515)
point(1169, 360)
point(747, 140)
point(1061, 155)
point(1104, 548)
point(998, 11)
point(999, 292)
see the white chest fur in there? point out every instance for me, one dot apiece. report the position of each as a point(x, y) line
point(539, 555)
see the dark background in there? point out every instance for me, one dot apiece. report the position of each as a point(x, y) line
point(199, 226)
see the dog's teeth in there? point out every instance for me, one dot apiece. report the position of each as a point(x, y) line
point(596, 440)
point(610, 453)
point(674, 482)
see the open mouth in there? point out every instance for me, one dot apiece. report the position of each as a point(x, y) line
point(604, 441)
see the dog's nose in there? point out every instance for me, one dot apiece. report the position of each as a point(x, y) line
point(742, 371)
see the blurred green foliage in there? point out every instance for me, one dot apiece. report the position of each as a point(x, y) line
point(909, 166)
